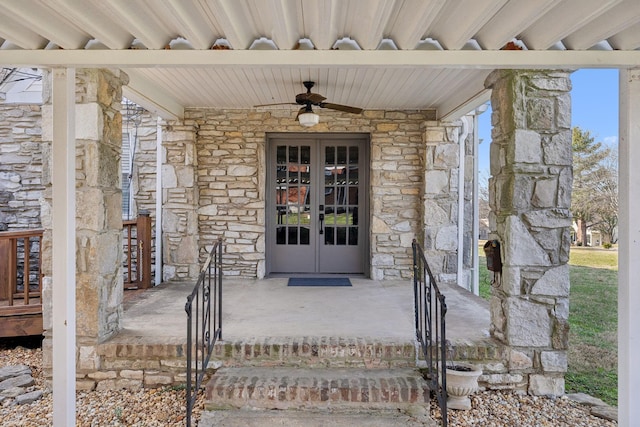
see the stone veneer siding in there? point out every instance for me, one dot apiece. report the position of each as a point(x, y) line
point(214, 185)
point(530, 197)
point(143, 175)
point(20, 167)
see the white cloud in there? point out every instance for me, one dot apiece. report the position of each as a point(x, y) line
point(611, 140)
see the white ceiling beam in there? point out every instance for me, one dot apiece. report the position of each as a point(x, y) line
point(285, 22)
point(152, 97)
point(627, 39)
point(376, 15)
point(604, 26)
point(99, 26)
point(553, 59)
point(192, 25)
point(453, 109)
point(49, 23)
point(322, 21)
point(510, 20)
point(407, 26)
point(459, 21)
point(568, 16)
point(19, 35)
point(232, 17)
point(142, 21)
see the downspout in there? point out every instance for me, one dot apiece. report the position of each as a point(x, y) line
point(475, 266)
point(158, 234)
point(475, 263)
point(464, 133)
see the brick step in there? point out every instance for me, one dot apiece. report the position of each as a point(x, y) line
point(312, 352)
point(296, 388)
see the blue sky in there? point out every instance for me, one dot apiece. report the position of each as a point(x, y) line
point(594, 107)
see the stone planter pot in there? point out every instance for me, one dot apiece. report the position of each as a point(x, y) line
point(462, 380)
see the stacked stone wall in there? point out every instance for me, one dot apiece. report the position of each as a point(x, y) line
point(21, 185)
point(231, 174)
point(143, 127)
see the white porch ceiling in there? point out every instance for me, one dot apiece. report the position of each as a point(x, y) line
point(432, 67)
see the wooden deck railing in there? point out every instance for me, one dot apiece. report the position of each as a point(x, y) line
point(137, 252)
point(20, 283)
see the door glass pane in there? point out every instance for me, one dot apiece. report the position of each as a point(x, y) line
point(281, 154)
point(342, 155)
point(293, 155)
point(353, 155)
point(353, 236)
point(329, 235)
point(293, 236)
point(304, 235)
point(305, 155)
point(340, 192)
point(293, 179)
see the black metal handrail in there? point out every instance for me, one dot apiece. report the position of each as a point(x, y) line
point(430, 311)
point(204, 323)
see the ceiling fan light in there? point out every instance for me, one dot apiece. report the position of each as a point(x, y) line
point(309, 119)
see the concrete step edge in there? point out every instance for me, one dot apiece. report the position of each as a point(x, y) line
point(411, 416)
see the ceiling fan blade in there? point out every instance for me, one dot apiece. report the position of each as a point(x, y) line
point(314, 98)
point(345, 108)
point(300, 111)
point(277, 103)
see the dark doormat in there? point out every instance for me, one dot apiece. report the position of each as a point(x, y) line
point(319, 281)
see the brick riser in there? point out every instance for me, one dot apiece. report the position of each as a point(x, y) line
point(291, 388)
point(316, 352)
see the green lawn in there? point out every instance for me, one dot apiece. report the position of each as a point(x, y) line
point(593, 311)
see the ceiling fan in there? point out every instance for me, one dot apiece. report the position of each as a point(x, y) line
point(309, 99)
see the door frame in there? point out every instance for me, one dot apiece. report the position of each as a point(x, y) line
point(315, 139)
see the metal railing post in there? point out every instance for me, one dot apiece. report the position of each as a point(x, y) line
point(204, 327)
point(430, 306)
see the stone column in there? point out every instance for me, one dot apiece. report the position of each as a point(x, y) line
point(99, 211)
point(180, 202)
point(530, 198)
point(440, 214)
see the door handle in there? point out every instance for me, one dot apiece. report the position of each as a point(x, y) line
point(321, 219)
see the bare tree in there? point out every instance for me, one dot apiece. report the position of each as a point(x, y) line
point(607, 210)
point(594, 182)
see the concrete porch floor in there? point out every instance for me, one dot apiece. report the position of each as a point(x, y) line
point(269, 308)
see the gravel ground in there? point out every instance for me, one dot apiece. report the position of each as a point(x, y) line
point(166, 407)
point(498, 409)
point(147, 407)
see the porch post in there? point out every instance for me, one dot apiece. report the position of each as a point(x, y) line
point(530, 198)
point(63, 223)
point(629, 249)
point(93, 258)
